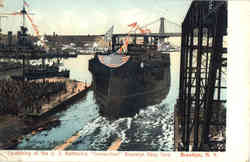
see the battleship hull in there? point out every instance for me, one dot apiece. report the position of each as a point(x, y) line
point(124, 90)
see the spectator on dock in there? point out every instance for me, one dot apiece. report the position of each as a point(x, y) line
point(19, 96)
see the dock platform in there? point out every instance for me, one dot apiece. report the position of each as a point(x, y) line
point(74, 90)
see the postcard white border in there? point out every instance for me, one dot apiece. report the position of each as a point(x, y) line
point(238, 104)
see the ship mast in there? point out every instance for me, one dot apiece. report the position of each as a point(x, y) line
point(23, 32)
point(23, 12)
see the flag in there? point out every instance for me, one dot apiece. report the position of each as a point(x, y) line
point(26, 4)
point(124, 47)
point(1, 3)
point(126, 41)
point(109, 33)
point(133, 24)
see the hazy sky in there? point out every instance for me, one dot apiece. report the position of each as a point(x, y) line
point(93, 16)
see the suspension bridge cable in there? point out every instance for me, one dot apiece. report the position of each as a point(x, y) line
point(174, 23)
point(146, 25)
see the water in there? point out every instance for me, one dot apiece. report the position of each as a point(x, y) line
point(151, 129)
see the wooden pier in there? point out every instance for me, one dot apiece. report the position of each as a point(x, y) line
point(74, 89)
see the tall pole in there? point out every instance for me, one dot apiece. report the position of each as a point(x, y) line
point(23, 13)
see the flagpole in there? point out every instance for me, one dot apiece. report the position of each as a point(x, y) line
point(23, 15)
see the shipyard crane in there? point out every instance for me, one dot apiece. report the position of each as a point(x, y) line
point(143, 29)
point(24, 13)
point(134, 27)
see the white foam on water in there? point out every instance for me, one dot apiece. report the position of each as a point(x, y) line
point(155, 118)
point(150, 127)
point(107, 130)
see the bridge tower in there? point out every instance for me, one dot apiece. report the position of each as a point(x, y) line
point(162, 29)
point(162, 22)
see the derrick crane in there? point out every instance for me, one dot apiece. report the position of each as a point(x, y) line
point(24, 13)
point(134, 27)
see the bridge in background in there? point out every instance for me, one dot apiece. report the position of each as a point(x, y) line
point(158, 27)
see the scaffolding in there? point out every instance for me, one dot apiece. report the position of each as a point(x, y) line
point(202, 90)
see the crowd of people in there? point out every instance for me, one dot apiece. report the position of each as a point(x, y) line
point(4, 66)
point(23, 96)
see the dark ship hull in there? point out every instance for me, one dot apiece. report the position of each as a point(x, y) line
point(123, 91)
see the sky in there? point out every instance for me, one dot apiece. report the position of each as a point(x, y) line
point(74, 17)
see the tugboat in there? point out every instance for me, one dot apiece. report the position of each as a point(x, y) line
point(125, 83)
